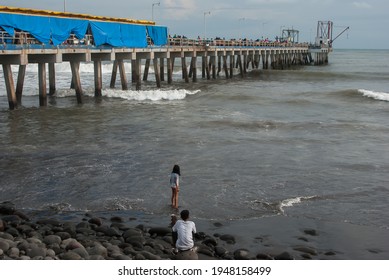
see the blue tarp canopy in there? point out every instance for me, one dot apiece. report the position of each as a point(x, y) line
point(57, 30)
point(39, 27)
point(61, 28)
point(119, 34)
point(158, 34)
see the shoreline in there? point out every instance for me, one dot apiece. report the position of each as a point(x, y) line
point(130, 235)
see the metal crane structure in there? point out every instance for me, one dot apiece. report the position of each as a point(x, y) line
point(325, 34)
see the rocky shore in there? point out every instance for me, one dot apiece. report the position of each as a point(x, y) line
point(90, 236)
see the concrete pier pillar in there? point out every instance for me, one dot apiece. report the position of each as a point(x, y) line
point(219, 64)
point(213, 63)
point(133, 73)
point(10, 86)
point(170, 65)
point(162, 69)
point(75, 66)
point(203, 66)
point(156, 72)
point(239, 63)
point(194, 69)
point(114, 74)
point(232, 57)
point(138, 70)
point(20, 83)
point(123, 76)
point(52, 86)
point(146, 71)
point(184, 69)
point(42, 84)
point(98, 78)
point(225, 67)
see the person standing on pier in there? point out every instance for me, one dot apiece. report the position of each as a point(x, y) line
point(175, 185)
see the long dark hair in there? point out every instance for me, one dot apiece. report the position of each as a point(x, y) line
point(176, 169)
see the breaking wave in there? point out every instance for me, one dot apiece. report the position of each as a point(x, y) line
point(383, 96)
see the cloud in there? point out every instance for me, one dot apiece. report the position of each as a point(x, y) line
point(362, 5)
point(178, 9)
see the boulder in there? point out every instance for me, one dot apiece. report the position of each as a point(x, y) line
point(70, 256)
point(228, 238)
point(242, 254)
point(36, 252)
point(160, 231)
point(4, 245)
point(96, 221)
point(2, 225)
point(7, 208)
point(52, 239)
point(98, 249)
point(284, 256)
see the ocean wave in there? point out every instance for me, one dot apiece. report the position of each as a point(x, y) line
point(150, 95)
point(383, 96)
point(290, 202)
point(131, 95)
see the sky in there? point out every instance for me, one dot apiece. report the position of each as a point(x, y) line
point(368, 19)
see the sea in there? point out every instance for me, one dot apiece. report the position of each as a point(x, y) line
point(309, 142)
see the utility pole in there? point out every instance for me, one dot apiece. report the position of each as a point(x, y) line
point(152, 9)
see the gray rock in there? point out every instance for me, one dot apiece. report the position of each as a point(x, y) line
point(70, 256)
point(98, 249)
point(26, 229)
point(160, 231)
point(261, 256)
point(305, 249)
point(242, 254)
point(81, 252)
point(108, 231)
point(63, 235)
point(52, 239)
point(95, 221)
point(220, 251)
point(1, 252)
point(311, 232)
point(50, 253)
point(284, 256)
point(7, 208)
point(228, 238)
point(117, 220)
point(51, 222)
point(4, 245)
point(36, 251)
point(131, 232)
point(122, 258)
point(6, 235)
point(14, 253)
point(150, 256)
point(210, 241)
point(2, 225)
point(96, 258)
point(13, 231)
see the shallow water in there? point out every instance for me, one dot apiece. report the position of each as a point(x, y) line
point(309, 142)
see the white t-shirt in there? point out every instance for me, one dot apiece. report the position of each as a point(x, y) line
point(184, 230)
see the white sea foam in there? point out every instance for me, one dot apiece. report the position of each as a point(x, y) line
point(149, 95)
point(383, 96)
point(290, 202)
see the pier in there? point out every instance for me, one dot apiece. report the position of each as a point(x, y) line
point(88, 39)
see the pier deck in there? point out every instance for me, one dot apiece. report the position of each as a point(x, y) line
point(87, 42)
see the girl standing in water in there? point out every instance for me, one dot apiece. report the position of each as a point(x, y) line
point(175, 185)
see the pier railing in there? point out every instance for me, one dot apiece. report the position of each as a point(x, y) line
point(24, 40)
